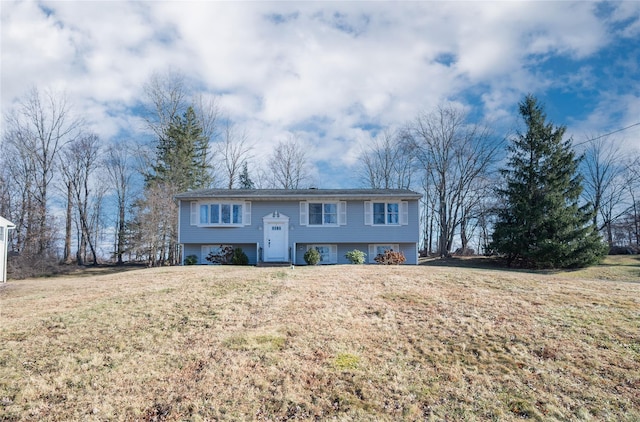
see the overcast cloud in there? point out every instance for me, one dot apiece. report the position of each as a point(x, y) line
point(333, 73)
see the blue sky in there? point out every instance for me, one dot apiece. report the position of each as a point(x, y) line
point(333, 73)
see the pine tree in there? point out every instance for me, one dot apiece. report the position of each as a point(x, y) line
point(182, 155)
point(541, 223)
point(244, 179)
point(181, 163)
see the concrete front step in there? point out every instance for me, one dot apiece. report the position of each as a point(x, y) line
point(273, 264)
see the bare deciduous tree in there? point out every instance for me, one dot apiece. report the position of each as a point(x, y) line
point(428, 218)
point(79, 160)
point(604, 185)
point(37, 129)
point(632, 223)
point(234, 150)
point(5, 190)
point(18, 173)
point(262, 178)
point(453, 154)
point(166, 98)
point(288, 165)
point(155, 225)
point(474, 212)
point(387, 162)
point(118, 163)
point(208, 113)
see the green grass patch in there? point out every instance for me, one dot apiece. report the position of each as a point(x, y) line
point(262, 342)
point(346, 361)
point(613, 268)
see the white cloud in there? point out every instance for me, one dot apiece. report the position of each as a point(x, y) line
point(626, 15)
point(326, 70)
point(34, 48)
point(616, 114)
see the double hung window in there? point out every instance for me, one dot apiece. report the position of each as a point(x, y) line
point(386, 213)
point(215, 254)
point(323, 213)
point(320, 213)
point(221, 213)
point(328, 253)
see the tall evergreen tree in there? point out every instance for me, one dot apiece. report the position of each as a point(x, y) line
point(181, 163)
point(244, 179)
point(182, 155)
point(541, 223)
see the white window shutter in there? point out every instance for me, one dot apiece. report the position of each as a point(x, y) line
point(333, 254)
point(368, 214)
point(404, 213)
point(246, 211)
point(396, 247)
point(342, 213)
point(194, 213)
point(372, 252)
point(304, 213)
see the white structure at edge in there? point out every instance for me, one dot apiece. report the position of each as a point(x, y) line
point(5, 226)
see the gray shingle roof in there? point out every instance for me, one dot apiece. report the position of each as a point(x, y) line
point(297, 194)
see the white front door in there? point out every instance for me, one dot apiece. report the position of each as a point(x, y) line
point(276, 238)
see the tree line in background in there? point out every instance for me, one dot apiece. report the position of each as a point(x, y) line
point(551, 205)
point(68, 191)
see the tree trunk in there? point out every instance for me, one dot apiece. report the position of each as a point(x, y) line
point(121, 231)
point(80, 254)
point(86, 234)
point(442, 243)
point(66, 259)
point(464, 240)
point(42, 220)
point(609, 235)
point(431, 233)
point(636, 220)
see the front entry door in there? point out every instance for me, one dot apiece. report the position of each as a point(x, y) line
point(276, 238)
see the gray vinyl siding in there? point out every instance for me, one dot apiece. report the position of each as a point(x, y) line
point(196, 249)
point(355, 234)
point(410, 251)
point(354, 230)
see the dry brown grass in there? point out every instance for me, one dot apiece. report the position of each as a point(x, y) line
point(338, 342)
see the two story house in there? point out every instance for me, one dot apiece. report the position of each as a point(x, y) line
point(280, 225)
